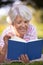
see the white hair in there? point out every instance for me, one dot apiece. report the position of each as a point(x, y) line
point(19, 9)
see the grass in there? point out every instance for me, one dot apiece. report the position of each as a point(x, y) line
point(20, 63)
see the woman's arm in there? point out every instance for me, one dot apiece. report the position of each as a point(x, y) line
point(3, 50)
point(3, 53)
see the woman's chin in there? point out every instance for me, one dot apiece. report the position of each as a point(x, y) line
point(22, 33)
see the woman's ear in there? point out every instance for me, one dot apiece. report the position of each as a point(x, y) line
point(8, 20)
point(12, 23)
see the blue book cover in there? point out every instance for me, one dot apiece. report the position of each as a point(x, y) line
point(16, 48)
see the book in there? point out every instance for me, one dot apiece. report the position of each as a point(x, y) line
point(16, 48)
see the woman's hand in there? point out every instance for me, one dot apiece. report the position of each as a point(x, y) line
point(7, 37)
point(3, 50)
point(24, 58)
point(2, 55)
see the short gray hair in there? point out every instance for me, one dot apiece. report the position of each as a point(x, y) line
point(19, 9)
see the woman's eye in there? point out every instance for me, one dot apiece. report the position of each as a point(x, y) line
point(25, 21)
point(18, 22)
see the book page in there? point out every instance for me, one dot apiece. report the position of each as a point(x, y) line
point(15, 38)
point(34, 40)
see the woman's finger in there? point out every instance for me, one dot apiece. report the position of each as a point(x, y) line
point(26, 57)
point(6, 37)
point(22, 57)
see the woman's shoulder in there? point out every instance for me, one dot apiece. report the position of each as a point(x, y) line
point(31, 33)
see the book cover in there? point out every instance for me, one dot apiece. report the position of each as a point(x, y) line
point(16, 48)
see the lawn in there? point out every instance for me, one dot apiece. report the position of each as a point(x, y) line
point(20, 63)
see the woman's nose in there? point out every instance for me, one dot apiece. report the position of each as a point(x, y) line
point(23, 24)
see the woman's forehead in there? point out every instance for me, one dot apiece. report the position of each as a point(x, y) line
point(18, 17)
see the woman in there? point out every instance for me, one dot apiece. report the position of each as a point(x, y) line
point(19, 17)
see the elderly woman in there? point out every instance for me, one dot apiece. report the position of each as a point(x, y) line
point(19, 18)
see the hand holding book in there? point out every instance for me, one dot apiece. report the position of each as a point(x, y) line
point(32, 49)
point(24, 58)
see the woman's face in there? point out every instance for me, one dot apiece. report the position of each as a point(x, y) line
point(21, 25)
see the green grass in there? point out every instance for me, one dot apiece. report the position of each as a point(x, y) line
point(42, 50)
point(36, 63)
point(20, 63)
